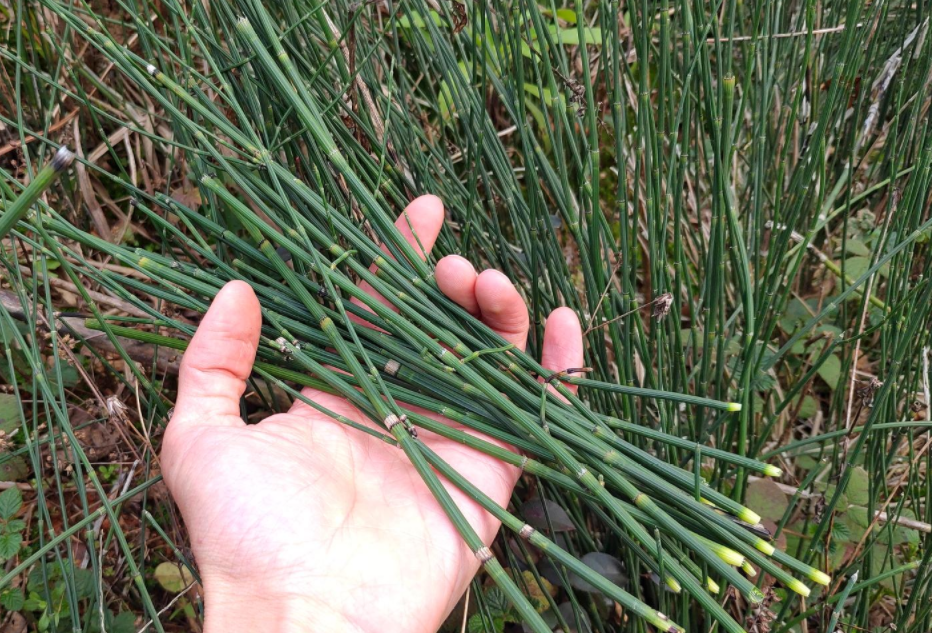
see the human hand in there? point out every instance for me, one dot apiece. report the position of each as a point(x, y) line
point(299, 523)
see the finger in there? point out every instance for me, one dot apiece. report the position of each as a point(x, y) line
point(502, 307)
point(456, 278)
point(563, 344)
point(219, 359)
point(419, 224)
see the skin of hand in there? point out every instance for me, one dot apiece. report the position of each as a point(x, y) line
point(299, 523)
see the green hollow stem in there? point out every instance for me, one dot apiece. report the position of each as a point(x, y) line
point(548, 547)
point(18, 209)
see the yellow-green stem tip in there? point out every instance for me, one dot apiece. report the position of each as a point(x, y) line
point(731, 557)
point(749, 516)
point(798, 587)
point(772, 471)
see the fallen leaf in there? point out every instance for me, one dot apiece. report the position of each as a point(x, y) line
point(173, 577)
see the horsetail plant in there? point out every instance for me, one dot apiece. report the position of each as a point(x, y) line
point(654, 166)
point(43, 180)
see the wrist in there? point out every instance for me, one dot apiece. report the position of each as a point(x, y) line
point(249, 608)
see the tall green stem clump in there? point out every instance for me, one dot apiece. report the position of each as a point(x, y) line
point(663, 169)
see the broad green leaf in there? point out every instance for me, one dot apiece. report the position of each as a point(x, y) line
point(567, 15)
point(497, 601)
point(795, 314)
point(15, 525)
point(840, 552)
point(6, 333)
point(734, 345)
point(526, 49)
point(841, 531)
point(9, 413)
point(125, 622)
point(806, 462)
point(809, 407)
point(764, 382)
point(84, 583)
point(69, 376)
point(35, 581)
point(533, 90)
point(828, 328)
point(881, 561)
point(538, 115)
point(765, 497)
point(570, 35)
point(13, 468)
point(445, 97)
point(34, 602)
point(858, 487)
point(830, 371)
point(758, 403)
point(405, 21)
point(12, 599)
point(857, 247)
point(828, 491)
point(476, 625)
point(900, 534)
point(857, 521)
point(10, 544)
point(11, 500)
point(857, 266)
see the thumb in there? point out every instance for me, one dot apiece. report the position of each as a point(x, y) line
point(219, 359)
point(563, 343)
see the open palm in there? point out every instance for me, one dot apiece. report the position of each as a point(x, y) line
point(300, 523)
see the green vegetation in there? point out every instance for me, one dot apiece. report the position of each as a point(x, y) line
point(733, 197)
